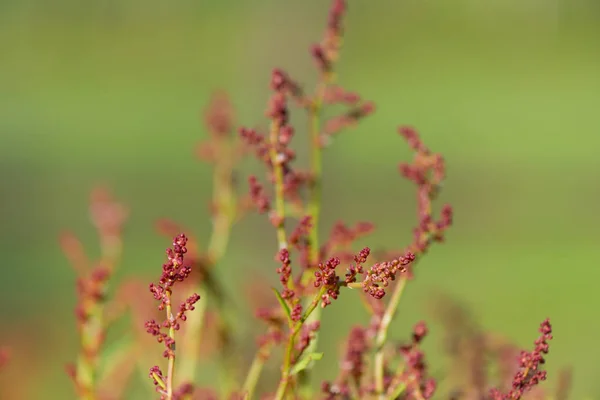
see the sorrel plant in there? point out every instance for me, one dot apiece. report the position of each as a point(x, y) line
point(314, 269)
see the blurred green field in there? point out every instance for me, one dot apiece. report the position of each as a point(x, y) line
point(111, 92)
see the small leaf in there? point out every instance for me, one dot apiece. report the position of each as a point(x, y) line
point(305, 361)
point(284, 305)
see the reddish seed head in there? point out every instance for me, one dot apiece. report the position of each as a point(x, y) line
point(218, 116)
point(173, 271)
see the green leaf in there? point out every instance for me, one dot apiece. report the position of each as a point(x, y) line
point(284, 305)
point(305, 361)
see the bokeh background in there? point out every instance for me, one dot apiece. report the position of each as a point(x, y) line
point(111, 92)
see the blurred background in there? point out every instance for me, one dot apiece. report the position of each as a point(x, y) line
point(111, 92)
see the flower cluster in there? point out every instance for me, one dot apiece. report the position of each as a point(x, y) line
point(327, 278)
point(381, 274)
point(352, 366)
point(427, 171)
point(414, 375)
point(530, 373)
point(173, 271)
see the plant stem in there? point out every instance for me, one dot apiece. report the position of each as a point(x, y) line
point(314, 204)
point(316, 169)
point(262, 355)
point(171, 363)
point(224, 199)
point(93, 329)
point(87, 363)
point(192, 338)
point(279, 194)
point(382, 332)
point(287, 361)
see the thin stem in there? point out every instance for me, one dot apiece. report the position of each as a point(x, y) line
point(171, 364)
point(225, 210)
point(87, 363)
point(279, 189)
point(224, 199)
point(382, 332)
point(397, 386)
point(314, 204)
point(316, 169)
point(261, 357)
point(193, 337)
point(287, 361)
point(92, 330)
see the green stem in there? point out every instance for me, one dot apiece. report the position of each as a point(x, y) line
point(382, 333)
point(192, 338)
point(171, 364)
point(287, 361)
point(279, 194)
point(316, 168)
point(224, 199)
point(261, 357)
point(314, 205)
point(87, 363)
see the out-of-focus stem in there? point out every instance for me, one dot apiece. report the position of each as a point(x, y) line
point(316, 169)
point(261, 357)
point(224, 200)
point(224, 203)
point(381, 337)
point(87, 363)
point(192, 337)
point(279, 189)
point(93, 329)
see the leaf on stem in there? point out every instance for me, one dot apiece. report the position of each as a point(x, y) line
point(305, 361)
point(284, 305)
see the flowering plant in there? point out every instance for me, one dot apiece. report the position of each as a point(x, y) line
point(314, 271)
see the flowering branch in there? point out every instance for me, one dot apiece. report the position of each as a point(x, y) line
point(174, 271)
point(108, 216)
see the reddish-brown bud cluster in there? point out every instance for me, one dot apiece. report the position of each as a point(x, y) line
point(275, 152)
point(338, 95)
point(327, 52)
point(357, 346)
point(357, 267)
point(285, 273)
point(299, 239)
point(381, 274)
point(530, 363)
point(219, 148)
point(256, 141)
point(258, 196)
point(352, 366)
point(427, 171)
point(414, 375)
point(183, 391)
point(343, 236)
point(281, 82)
point(108, 216)
point(173, 271)
point(348, 119)
point(90, 291)
point(326, 277)
point(219, 115)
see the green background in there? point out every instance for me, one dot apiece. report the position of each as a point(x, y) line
point(110, 92)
